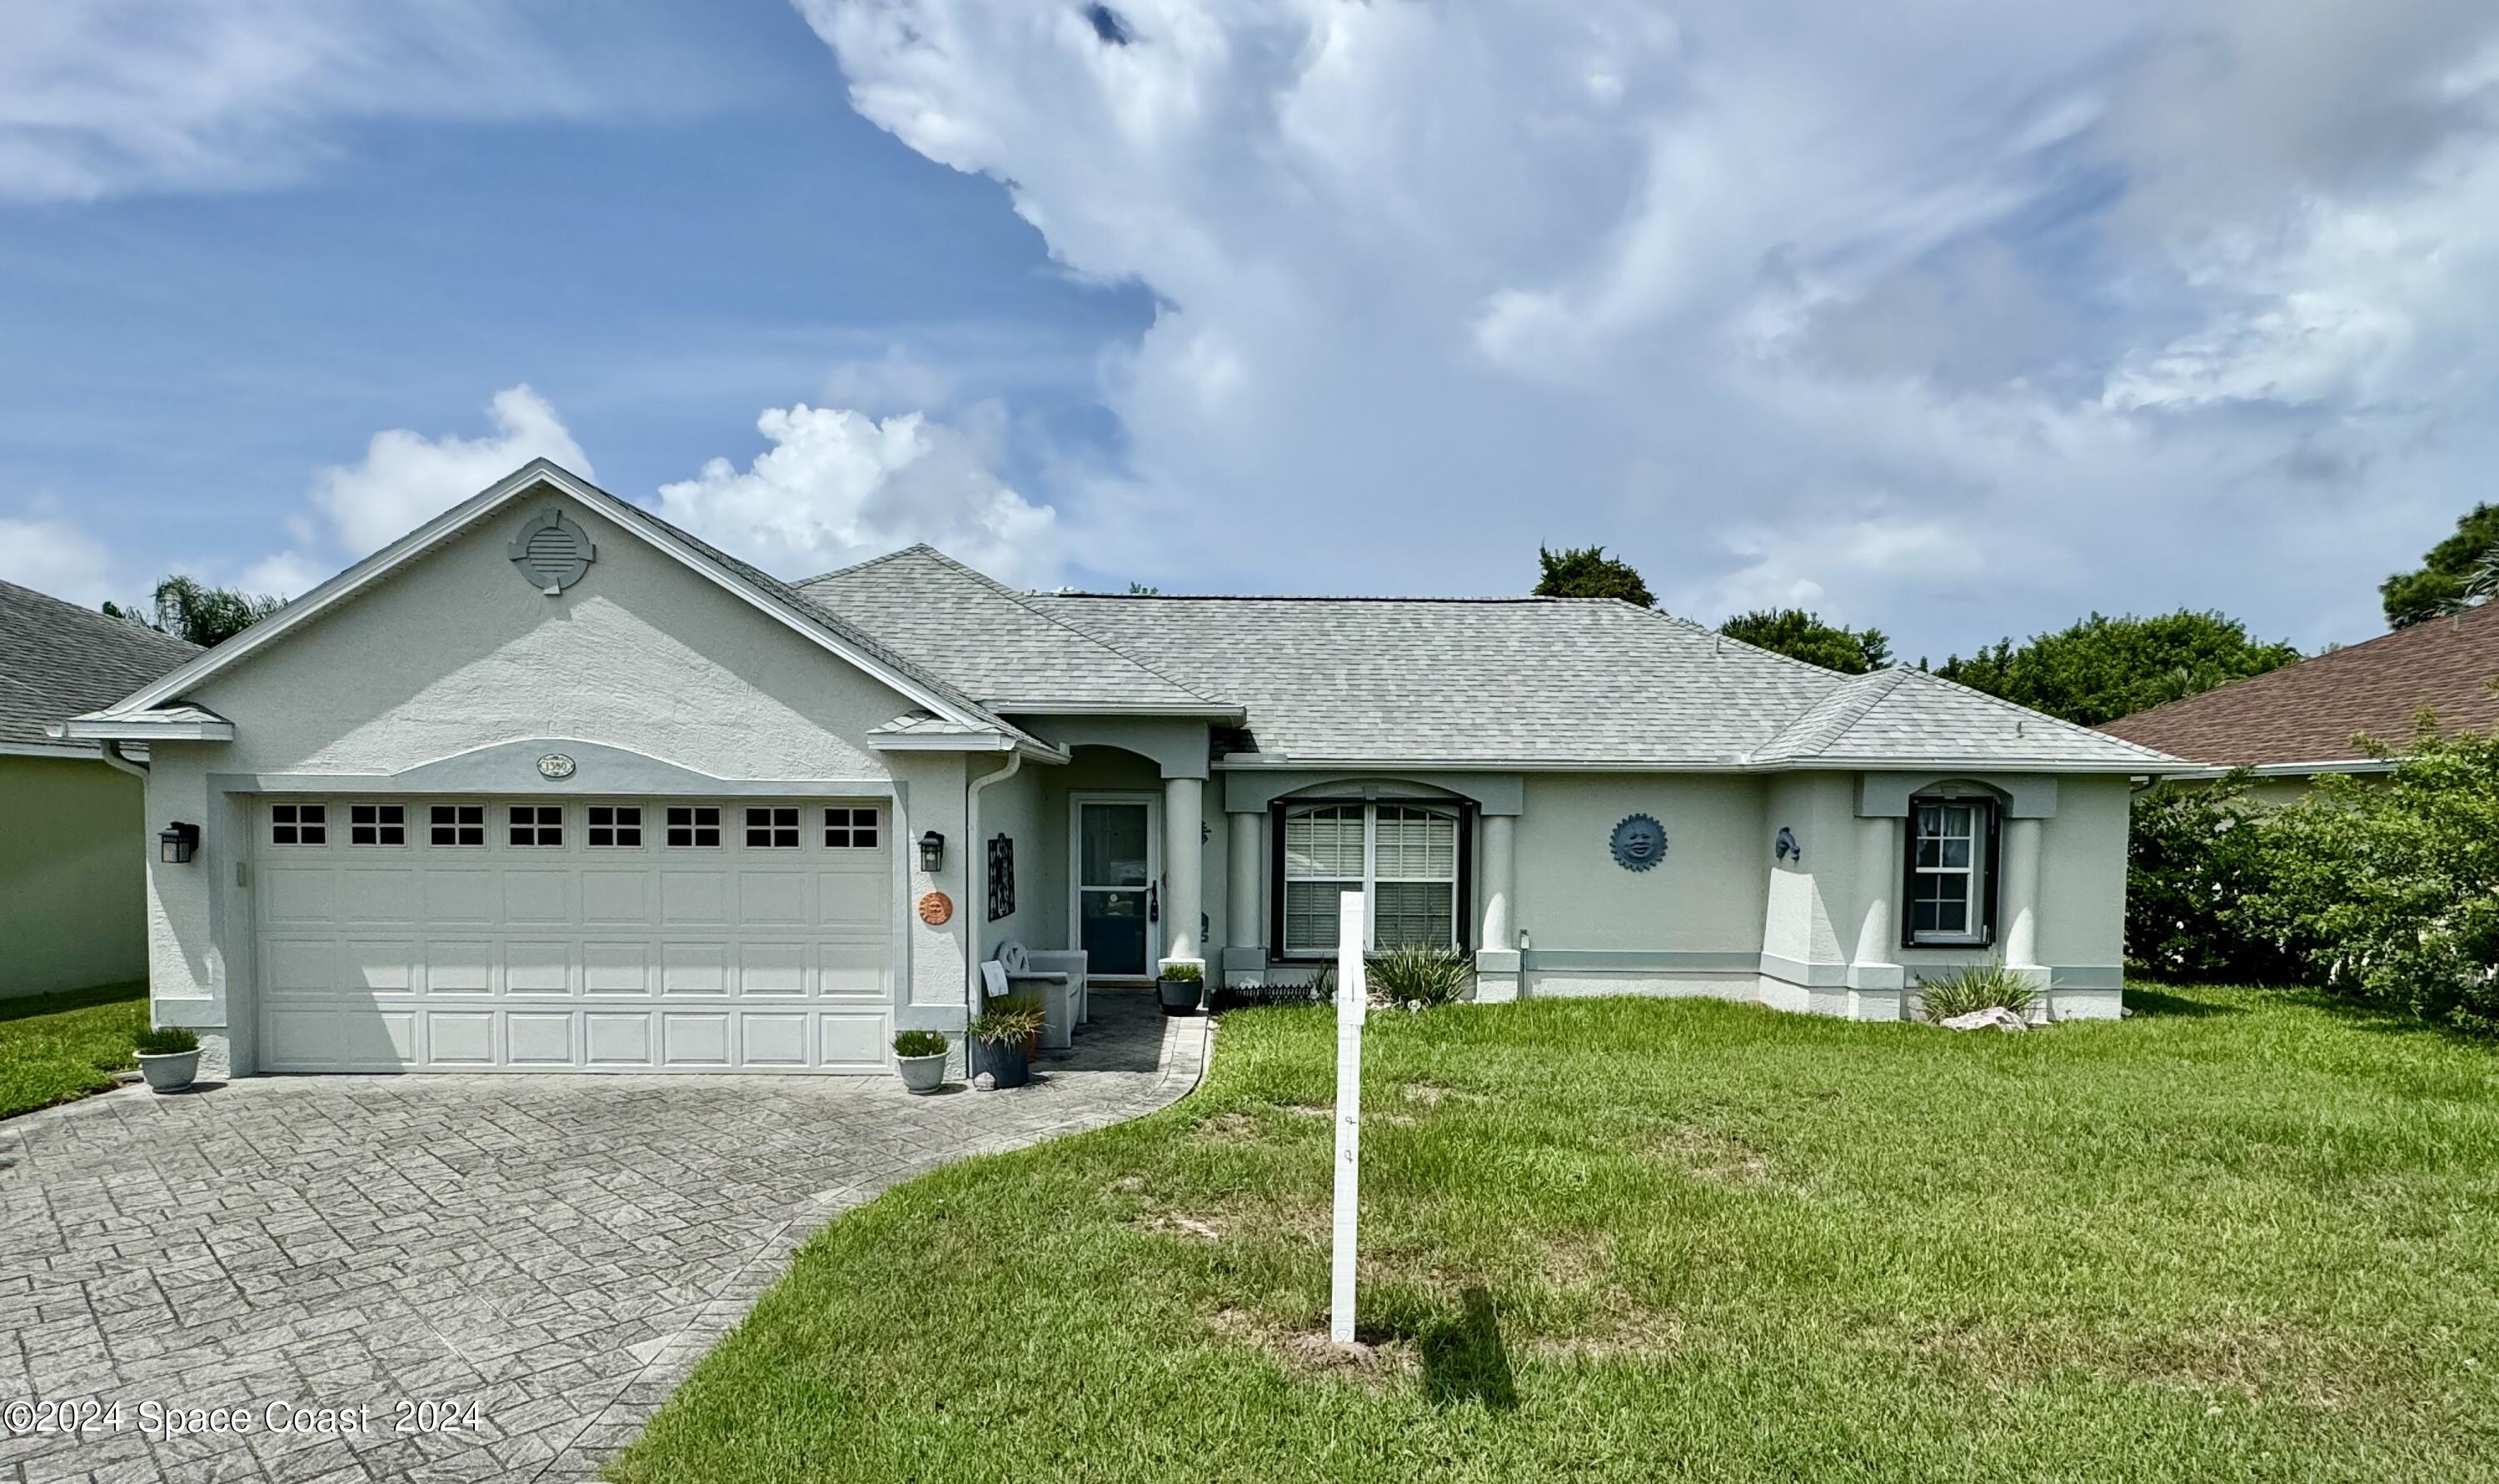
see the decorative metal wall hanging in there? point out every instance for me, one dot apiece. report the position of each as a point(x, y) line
point(1639, 842)
point(937, 908)
point(552, 552)
point(1001, 877)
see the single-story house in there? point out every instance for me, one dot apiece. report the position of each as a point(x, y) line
point(73, 880)
point(549, 783)
point(2289, 724)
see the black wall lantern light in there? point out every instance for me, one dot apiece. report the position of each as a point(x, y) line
point(933, 852)
point(176, 843)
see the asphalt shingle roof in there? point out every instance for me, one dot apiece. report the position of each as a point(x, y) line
point(987, 638)
point(59, 661)
point(2308, 712)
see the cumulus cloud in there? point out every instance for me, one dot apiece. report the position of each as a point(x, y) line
point(49, 553)
point(99, 100)
point(407, 479)
point(838, 486)
point(1960, 319)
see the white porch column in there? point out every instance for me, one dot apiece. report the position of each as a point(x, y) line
point(2021, 900)
point(1183, 866)
point(1876, 984)
point(1246, 912)
point(1499, 857)
point(1498, 970)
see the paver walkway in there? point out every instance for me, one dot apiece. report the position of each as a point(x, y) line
point(555, 1252)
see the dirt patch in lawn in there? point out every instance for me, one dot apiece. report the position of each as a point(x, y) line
point(1703, 1153)
point(1376, 1362)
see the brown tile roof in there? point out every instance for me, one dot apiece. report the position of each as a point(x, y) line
point(2306, 712)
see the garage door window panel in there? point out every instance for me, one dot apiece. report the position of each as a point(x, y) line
point(457, 827)
point(378, 824)
point(693, 827)
point(536, 827)
point(850, 829)
point(772, 829)
point(299, 824)
point(615, 826)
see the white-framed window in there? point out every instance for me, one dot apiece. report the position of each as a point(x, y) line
point(772, 829)
point(298, 823)
point(536, 827)
point(376, 823)
point(1404, 856)
point(456, 824)
point(1948, 866)
point(693, 827)
point(850, 829)
point(614, 826)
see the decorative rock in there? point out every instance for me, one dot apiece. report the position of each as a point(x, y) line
point(985, 1082)
point(1994, 1016)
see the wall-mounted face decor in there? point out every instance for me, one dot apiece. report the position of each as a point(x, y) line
point(1640, 842)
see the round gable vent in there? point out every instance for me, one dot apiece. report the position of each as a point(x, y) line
point(552, 552)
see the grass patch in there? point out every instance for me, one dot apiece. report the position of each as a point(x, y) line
point(55, 1047)
point(2244, 1237)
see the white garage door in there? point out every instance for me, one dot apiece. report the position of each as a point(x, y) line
point(589, 935)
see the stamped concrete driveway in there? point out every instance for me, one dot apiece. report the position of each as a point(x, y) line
point(545, 1257)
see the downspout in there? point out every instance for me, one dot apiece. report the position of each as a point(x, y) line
point(972, 920)
point(133, 768)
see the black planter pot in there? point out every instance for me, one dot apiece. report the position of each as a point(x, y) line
point(1180, 996)
point(1005, 1064)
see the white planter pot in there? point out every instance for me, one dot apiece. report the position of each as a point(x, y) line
point(170, 1072)
point(921, 1074)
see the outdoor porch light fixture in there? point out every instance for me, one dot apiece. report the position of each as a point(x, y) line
point(176, 843)
point(933, 852)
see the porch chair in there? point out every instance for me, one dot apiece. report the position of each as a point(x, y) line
point(1058, 977)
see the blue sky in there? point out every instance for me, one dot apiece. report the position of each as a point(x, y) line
point(1961, 323)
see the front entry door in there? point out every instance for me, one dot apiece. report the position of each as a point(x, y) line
point(1118, 874)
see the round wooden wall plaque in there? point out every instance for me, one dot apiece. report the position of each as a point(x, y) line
point(936, 910)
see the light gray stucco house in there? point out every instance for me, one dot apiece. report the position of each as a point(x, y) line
point(549, 783)
point(73, 882)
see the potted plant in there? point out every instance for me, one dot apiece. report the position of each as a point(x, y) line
point(1181, 984)
point(1025, 1004)
point(920, 1058)
point(169, 1058)
point(1003, 1035)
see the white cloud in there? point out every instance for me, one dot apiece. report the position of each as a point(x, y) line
point(405, 478)
point(46, 552)
point(105, 98)
point(838, 486)
point(2130, 307)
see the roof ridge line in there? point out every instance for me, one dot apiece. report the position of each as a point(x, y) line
point(860, 566)
point(1855, 696)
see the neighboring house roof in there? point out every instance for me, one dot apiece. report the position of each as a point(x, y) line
point(58, 659)
point(992, 642)
point(969, 717)
point(2306, 713)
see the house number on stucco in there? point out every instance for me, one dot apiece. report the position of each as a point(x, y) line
point(1640, 842)
point(555, 765)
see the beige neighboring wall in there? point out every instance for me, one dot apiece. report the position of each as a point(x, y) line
point(73, 875)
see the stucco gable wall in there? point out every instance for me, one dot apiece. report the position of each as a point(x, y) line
point(457, 652)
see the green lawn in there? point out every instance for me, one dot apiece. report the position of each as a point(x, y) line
point(58, 1047)
point(2241, 1236)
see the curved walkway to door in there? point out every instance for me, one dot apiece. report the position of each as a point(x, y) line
point(557, 1250)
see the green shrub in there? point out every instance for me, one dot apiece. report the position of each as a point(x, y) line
point(1183, 974)
point(2390, 890)
point(1419, 977)
point(998, 1025)
point(166, 1042)
point(920, 1043)
point(1973, 986)
point(2197, 860)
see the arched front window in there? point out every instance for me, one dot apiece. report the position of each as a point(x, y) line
point(1405, 856)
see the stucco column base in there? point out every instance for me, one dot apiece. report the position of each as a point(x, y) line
point(1496, 988)
point(216, 1057)
point(1245, 965)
